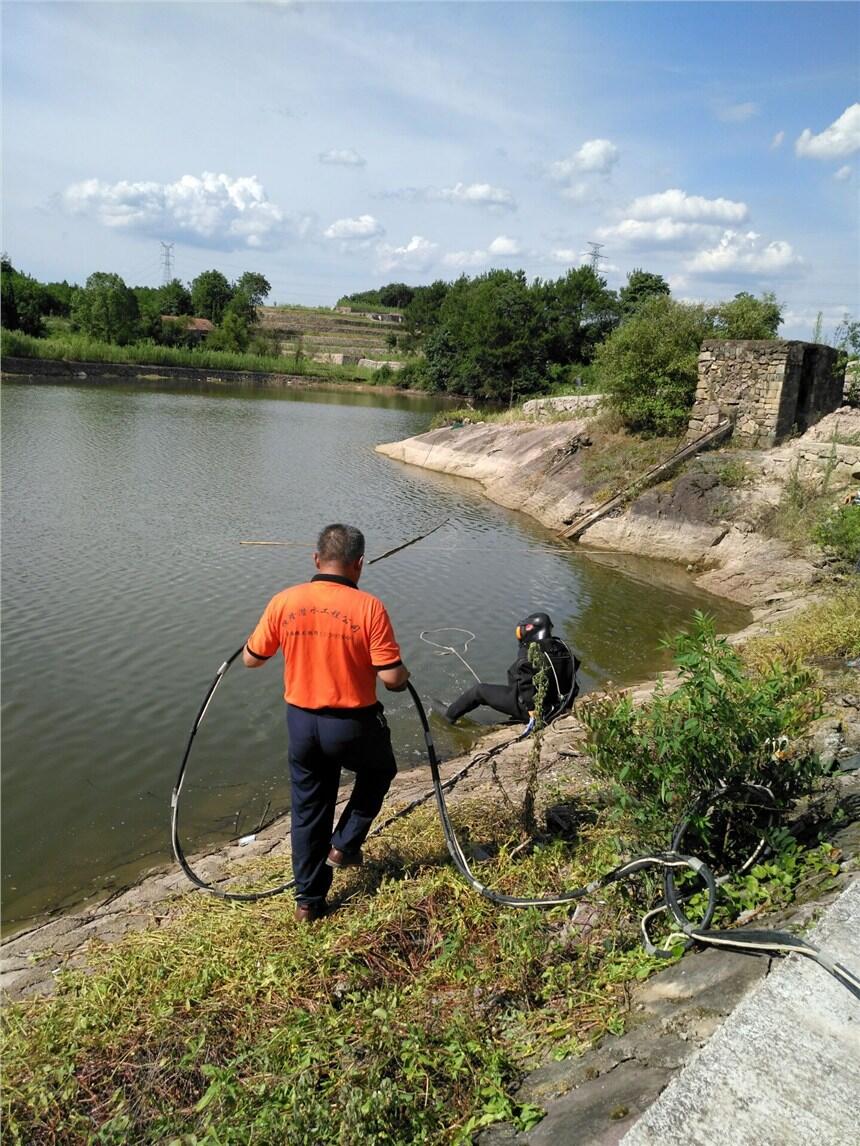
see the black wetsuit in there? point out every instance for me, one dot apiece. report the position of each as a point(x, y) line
point(516, 698)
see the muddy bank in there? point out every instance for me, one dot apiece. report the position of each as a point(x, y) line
point(705, 517)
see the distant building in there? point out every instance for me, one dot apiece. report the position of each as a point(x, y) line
point(196, 328)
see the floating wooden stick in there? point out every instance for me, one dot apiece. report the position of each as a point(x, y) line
point(373, 560)
point(406, 544)
point(297, 544)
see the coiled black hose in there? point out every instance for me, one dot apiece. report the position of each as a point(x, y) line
point(670, 863)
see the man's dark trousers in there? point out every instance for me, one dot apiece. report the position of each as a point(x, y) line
point(322, 742)
point(501, 697)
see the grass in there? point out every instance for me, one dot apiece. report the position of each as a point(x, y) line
point(369, 307)
point(404, 1018)
point(590, 381)
point(79, 348)
point(733, 473)
point(802, 509)
point(513, 417)
point(826, 629)
point(616, 457)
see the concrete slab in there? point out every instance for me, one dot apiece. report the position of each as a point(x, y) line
point(784, 1068)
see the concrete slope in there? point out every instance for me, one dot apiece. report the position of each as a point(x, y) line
point(784, 1069)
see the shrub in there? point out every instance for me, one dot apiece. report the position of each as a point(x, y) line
point(649, 364)
point(828, 628)
point(734, 473)
point(747, 317)
point(722, 725)
point(413, 376)
point(838, 533)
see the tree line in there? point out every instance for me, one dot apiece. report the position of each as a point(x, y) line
point(498, 336)
point(105, 308)
point(493, 337)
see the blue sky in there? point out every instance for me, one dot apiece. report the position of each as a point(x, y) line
point(335, 147)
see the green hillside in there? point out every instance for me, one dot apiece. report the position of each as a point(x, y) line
point(326, 331)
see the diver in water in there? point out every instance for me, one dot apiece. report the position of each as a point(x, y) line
point(517, 697)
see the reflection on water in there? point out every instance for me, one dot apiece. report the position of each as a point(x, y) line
point(125, 587)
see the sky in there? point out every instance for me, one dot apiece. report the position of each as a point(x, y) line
point(336, 147)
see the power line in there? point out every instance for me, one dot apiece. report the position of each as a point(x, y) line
point(167, 262)
point(595, 256)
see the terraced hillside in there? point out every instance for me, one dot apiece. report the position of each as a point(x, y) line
point(320, 331)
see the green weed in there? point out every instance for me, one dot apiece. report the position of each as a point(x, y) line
point(723, 725)
point(825, 629)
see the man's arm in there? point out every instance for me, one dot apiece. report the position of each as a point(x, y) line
point(394, 679)
point(251, 660)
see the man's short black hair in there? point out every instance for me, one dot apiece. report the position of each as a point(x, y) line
point(341, 543)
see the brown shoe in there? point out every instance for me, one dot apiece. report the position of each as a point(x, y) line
point(310, 912)
point(337, 858)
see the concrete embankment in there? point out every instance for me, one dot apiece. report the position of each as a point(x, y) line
point(53, 370)
point(694, 518)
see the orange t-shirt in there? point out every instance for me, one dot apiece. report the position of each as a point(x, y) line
point(333, 636)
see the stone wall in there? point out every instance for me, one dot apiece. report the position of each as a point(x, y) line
point(769, 388)
point(564, 404)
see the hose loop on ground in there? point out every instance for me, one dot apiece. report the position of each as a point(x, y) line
point(670, 862)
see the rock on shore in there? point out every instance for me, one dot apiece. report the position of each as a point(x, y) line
point(694, 519)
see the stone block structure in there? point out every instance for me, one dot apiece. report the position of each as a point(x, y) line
point(768, 389)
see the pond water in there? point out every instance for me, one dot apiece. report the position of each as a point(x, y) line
point(125, 587)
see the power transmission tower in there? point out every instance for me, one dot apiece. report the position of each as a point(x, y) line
point(595, 256)
point(167, 262)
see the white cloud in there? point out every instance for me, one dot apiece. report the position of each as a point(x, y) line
point(660, 231)
point(776, 142)
point(844, 173)
point(579, 192)
point(503, 245)
point(842, 137)
point(463, 194)
point(677, 204)
point(345, 157)
point(745, 252)
point(363, 227)
point(568, 256)
point(737, 112)
point(463, 259)
point(475, 195)
point(417, 255)
point(596, 157)
point(213, 210)
point(672, 218)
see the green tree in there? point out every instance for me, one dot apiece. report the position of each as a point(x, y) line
point(210, 293)
point(23, 300)
point(232, 334)
point(577, 313)
point(254, 286)
point(488, 341)
point(423, 310)
point(396, 294)
point(8, 302)
point(242, 306)
point(107, 309)
point(640, 286)
point(58, 298)
point(746, 316)
point(649, 364)
point(174, 298)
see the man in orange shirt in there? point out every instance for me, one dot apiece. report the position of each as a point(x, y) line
point(336, 641)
